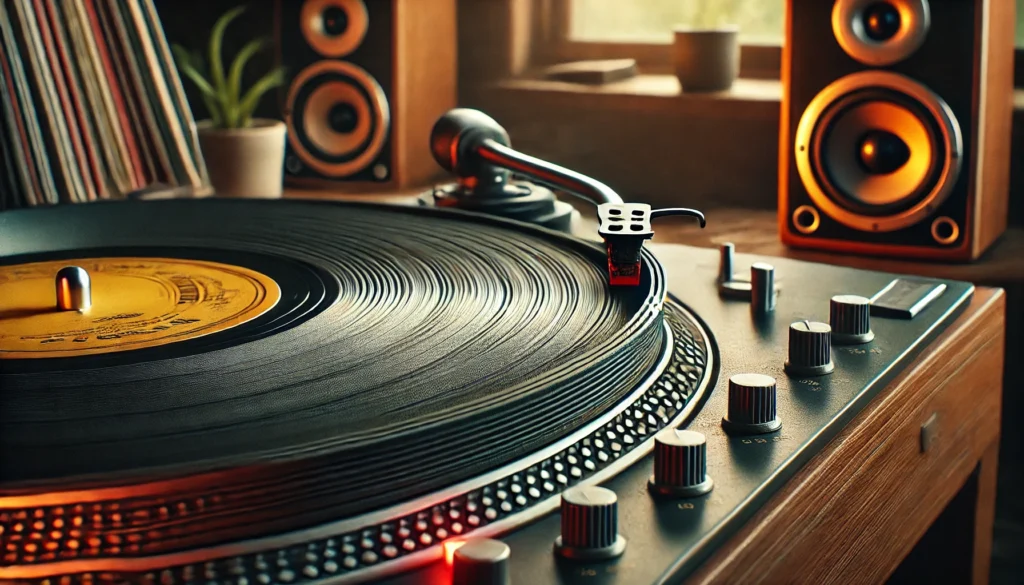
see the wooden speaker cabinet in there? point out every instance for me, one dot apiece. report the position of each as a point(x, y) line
point(895, 126)
point(370, 79)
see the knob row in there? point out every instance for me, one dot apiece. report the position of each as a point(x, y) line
point(589, 514)
point(810, 342)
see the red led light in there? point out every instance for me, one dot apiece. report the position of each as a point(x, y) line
point(450, 546)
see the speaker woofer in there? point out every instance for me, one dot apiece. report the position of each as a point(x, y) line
point(334, 28)
point(877, 151)
point(880, 32)
point(338, 118)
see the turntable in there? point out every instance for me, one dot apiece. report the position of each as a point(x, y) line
point(253, 391)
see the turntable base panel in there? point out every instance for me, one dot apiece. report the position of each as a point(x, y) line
point(669, 540)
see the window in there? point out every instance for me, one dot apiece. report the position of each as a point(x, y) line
point(1020, 24)
point(642, 29)
point(652, 21)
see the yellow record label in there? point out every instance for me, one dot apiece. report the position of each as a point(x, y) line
point(136, 303)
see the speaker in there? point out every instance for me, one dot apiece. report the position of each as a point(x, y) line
point(895, 126)
point(370, 79)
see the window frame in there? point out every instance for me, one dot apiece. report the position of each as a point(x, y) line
point(550, 44)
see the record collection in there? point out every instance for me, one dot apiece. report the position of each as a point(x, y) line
point(92, 104)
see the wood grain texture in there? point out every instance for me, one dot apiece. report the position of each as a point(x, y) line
point(425, 83)
point(994, 112)
point(858, 507)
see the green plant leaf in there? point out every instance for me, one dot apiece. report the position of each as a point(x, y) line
point(215, 61)
point(231, 116)
point(203, 85)
point(252, 97)
point(181, 55)
point(191, 65)
point(235, 75)
point(196, 61)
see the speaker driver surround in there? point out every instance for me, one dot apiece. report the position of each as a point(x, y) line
point(945, 230)
point(338, 118)
point(880, 32)
point(806, 219)
point(334, 28)
point(877, 151)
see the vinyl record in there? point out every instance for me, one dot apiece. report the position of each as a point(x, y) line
point(409, 349)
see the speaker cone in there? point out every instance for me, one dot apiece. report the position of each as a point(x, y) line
point(338, 118)
point(880, 32)
point(877, 151)
point(334, 28)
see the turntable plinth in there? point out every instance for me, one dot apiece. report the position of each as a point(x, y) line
point(872, 499)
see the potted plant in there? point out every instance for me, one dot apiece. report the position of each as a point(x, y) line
point(706, 52)
point(244, 155)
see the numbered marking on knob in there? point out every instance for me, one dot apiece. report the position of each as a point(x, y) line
point(752, 405)
point(680, 464)
point(590, 524)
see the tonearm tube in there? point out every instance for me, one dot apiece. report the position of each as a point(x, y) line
point(475, 148)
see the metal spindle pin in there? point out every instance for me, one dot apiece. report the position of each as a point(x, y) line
point(762, 287)
point(725, 265)
point(74, 289)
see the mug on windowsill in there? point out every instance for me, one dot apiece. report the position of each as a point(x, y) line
point(706, 59)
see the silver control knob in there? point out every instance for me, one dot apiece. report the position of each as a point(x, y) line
point(680, 464)
point(850, 319)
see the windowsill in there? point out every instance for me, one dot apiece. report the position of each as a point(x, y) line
point(649, 93)
point(654, 93)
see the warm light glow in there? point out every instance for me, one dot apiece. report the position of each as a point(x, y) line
point(450, 546)
point(65, 294)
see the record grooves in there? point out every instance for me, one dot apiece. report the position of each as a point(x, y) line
point(490, 341)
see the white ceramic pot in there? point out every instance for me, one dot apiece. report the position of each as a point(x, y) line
point(706, 59)
point(244, 162)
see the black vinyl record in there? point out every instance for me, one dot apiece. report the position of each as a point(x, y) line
point(411, 349)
